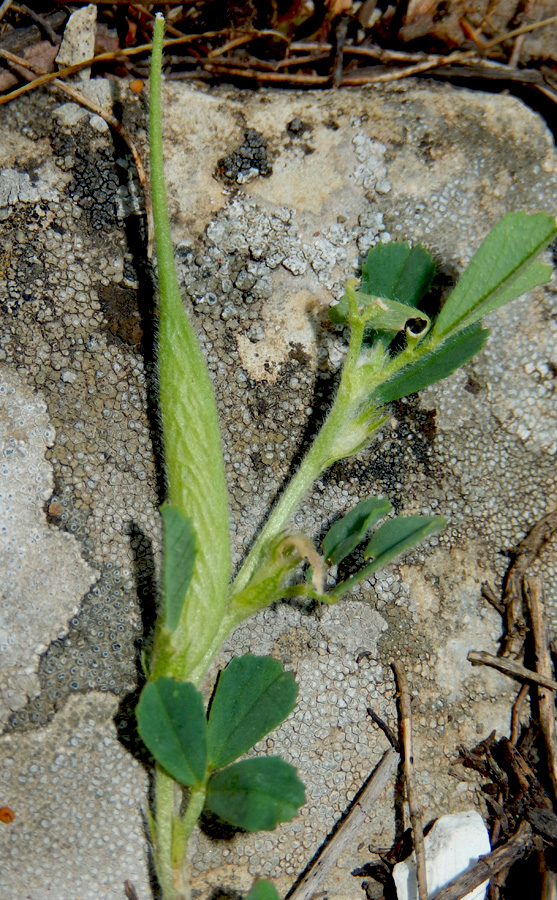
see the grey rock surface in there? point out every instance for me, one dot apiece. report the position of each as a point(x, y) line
point(78, 797)
point(78, 43)
point(43, 573)
point(273, 198)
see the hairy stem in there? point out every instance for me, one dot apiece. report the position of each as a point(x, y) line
point(196, 486)
point(318, 458)
point(165, 802)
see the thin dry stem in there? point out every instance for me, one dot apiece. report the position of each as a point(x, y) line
point(348, 829)
point(546, 700)
point(516, 712)
point(510, 667)
point(524, 555)
point(411, 791)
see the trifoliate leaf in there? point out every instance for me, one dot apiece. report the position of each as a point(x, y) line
point(391, 539)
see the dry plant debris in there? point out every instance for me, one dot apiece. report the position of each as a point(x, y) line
point(520, 772)
point(300, 43)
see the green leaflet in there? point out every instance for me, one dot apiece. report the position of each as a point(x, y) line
point(178, 560)
point(398, 271)
point(394, 272)
point(253, 695)
point(433, 366)
point(400, 534)
point(171, 722)
point(345, 535)
point(504, 267)
point(263, 890)
point(391, 539)
point(256, 794)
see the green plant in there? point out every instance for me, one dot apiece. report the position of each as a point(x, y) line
point(394, 350)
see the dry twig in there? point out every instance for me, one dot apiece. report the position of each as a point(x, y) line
point(408, 763)
point(40, 22)
point(515, 714)
point(131, 892)
point(510, 667)
point(340, 42)
point(388, 732)
point(546, 701)
point(509, 35)
point(345, 833)
point(5, 7)
point(245, 39)
point(524, 556)
point(111, 56)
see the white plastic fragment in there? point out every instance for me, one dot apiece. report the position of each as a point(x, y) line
point(453, 845)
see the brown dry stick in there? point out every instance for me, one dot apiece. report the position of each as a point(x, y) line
point(408, 763)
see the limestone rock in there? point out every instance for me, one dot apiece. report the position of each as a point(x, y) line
point(79, 803)
point(43, 574)
point(78, 43)
point(264, 245)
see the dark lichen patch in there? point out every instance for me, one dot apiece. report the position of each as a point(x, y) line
point(21, 266)
point(119, 305)
point(419, 423)
point(249, 161)
point(95, 180)
point(298, 127)
point(428, 149)
point(299, 133)
point(472, 386)
point(400, 462)
point(298, 354)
